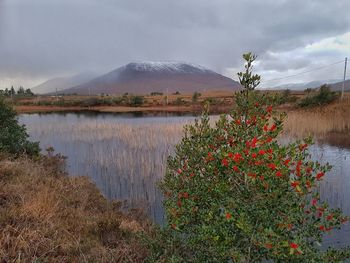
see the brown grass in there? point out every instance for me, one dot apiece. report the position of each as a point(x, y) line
point(154, 103)
point(38, 109)
point(46, 216)
point(330, 123)
point(123, 109)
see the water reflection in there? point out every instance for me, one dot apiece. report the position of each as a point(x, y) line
point(125, 156)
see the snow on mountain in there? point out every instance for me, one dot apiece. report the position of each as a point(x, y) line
point(167, 67)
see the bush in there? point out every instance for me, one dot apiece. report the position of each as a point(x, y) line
point(179, 101)
point(322, 97)
point(107, 101)
point(211, 101)
point(308, 90)
point(13, 136)
point(117, 100)
point(233, 193)
point(285, 97)
point(196, 96)
point(136, 101)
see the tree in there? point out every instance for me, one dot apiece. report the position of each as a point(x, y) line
point(234, 193)
point(13, 136)
point(28, 92)
point(12, 91)
point(21, 91)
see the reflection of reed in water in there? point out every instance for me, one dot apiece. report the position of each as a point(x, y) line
point(126, 158)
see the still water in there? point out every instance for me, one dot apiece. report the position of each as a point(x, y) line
point(125, 155)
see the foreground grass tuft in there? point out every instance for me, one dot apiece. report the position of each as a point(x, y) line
point(46, 216)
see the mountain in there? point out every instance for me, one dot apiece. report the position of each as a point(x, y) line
point(61, 83)
point(338, 86)
point(147, 77)
point(305, 85)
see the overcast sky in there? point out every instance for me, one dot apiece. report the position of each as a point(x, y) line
point(41, 39)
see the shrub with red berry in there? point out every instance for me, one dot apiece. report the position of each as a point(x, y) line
point(234, 193)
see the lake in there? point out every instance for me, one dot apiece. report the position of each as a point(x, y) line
point(125, 155)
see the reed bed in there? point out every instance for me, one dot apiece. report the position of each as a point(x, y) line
point(127, 157)
point(330, 123)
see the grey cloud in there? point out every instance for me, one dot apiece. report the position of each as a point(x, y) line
point(273, 62)
point(57, 37)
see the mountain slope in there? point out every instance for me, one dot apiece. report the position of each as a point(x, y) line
point(146, 77)
point(338, 86)
point(62, 83)
point(305, 85)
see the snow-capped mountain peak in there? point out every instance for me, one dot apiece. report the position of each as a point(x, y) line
point(148, 77)
point(167, 67)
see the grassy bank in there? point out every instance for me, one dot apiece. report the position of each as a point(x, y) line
point(220, 101)
point(329, 123)
point(47, 216)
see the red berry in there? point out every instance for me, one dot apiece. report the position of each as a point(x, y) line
point(294, 245)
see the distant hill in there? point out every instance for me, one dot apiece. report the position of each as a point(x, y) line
point(147, 77)
point(305, 85)
point(59, 84)
point(338, 86)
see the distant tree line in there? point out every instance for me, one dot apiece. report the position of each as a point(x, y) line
point(20, 92)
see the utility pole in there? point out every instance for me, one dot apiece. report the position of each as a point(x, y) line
point(342, 90)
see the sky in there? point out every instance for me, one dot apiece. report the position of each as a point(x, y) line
point(42, 39)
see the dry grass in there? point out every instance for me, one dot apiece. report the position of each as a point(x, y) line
point(154, 103)
point(325, 123)
point(46, 216)
point(198, 108)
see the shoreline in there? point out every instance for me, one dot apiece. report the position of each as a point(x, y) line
point(122, 109)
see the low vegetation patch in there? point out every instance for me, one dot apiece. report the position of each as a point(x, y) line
point(46, 216)
point(322, 97)
point(13, 136)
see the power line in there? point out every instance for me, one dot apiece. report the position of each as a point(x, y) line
point(301, 73)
